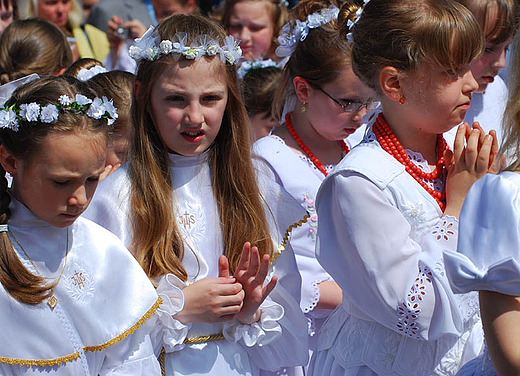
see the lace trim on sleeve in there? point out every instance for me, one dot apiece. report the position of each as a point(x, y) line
point(410, 309)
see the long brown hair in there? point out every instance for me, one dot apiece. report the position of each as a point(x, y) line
point(32, 46)
point(157, 243)
point(24, 145)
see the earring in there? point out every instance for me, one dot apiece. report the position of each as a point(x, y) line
point(303, 108)
point(401, 100)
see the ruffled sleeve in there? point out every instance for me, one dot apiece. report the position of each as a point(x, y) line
point(488, 254)
point(365, 242)
point(171, 333)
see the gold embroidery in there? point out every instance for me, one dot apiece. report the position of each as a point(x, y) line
point(79, 279)
point(68, 358)
point(285, 239)
point(126, 333)
point(203, 339)
point(161, 362)
point(187, 220)
point(40, 363)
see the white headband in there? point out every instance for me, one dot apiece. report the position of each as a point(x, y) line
point(148, 47)
point(247, 66)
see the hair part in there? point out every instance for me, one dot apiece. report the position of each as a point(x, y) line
point(157, 242)
point(24, 145)
point(32, 46)
point(408, 33)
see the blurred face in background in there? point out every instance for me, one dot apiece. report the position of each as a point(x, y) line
point(87, 6)
point(166, 8)
point(55, 11)
point(6, 14)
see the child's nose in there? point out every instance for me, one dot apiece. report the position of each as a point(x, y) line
point(470, 84)
point(194, 113)
point(79, 197)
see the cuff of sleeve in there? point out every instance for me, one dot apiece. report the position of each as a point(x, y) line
point(174, 332)
point(259, 333)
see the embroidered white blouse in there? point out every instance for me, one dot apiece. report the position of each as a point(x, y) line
point(279, 339)
point(300, 177)
point(381, 238)
point(488, 254)
point(102, 322)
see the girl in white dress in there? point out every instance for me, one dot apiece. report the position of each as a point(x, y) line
point(73, 300)
point(189, 207)
point(329, 104)
point(391, 206)
point(488, 254)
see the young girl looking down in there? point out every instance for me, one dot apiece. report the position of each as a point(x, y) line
point(189, 207)
point(391, 206)
point(73, 301)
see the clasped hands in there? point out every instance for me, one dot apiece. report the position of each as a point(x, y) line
point(223, 298)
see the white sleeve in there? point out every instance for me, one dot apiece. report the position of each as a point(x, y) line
point(280, 337)
point(364, 243)
point(134, 355)
point(124, 62)
point(488, 255)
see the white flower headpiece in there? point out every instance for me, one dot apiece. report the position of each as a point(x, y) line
point(148, 47)
point(103, 108)
point(351, 24)
point(86, 74)
point(246, 66)
point(294, 32)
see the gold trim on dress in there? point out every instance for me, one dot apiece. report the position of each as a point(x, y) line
point(40, 363)
point(203, 339)
point(127, 332)
point(285, 238)
point(69, 358)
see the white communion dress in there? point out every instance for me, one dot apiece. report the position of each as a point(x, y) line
point(301, 179)
point(279, 339)
point(102, 322)
point(488, 255)
point(381, 238)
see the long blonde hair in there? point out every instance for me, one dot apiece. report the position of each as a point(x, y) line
point(157, 243)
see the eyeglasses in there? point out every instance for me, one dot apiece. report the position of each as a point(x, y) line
point(353, 106)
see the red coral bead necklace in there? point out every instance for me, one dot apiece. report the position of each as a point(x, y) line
point(306, 149)
point(392, 146)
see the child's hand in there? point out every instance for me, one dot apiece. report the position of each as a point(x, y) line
point(212, 299)
point(251, 274)
point(465, 165)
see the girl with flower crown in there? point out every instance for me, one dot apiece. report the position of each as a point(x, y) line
point(73, 301)
point(329, 104)
point(391, 206)
point(211, 234)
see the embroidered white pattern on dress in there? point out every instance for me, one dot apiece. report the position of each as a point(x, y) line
point(414, 213)
point(308, 203)
point(191, 223)
point(79, 283)
point(410, 310)
point(444, 229)
point(387, 356)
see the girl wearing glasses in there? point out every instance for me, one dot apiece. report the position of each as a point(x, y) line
point(324, 104)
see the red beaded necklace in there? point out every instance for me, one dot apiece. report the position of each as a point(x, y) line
point(392, 146)
point(305, 148)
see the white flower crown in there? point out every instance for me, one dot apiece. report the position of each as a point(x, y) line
point(247, 66)
point(34, 112)
point(86, 74)
point(292, 35)
point(351, 24)
point(148, 47)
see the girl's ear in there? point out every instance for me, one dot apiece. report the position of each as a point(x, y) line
point(302, 89)
point(8, 161)
point(389, 80)
point(137, 87)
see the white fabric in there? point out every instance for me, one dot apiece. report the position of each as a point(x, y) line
point(381, 238)
point(487, 108)
point(488, 255)
point(124, 62)
point(301, 179)
point(279, 338)
point(102, 293)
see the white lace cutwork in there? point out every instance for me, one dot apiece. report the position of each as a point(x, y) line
point(306, 159)
point(315, 297)
point(312, 221)
point(410, 309)
point(444, 230)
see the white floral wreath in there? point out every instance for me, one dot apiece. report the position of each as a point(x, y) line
point(247, 66)
point(86, 74)
point(148, 47)
point(34, 112)
point(351, 24)
point(291, 35)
